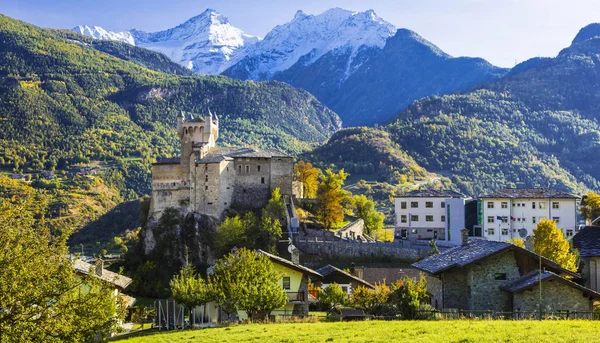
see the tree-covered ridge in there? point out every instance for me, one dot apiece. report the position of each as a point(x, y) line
point(536, 127)
point(64, 102)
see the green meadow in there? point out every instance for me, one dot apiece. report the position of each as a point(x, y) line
point(388, 331)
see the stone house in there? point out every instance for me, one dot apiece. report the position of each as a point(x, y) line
point(119, 282)
point(588, 242)
point(501, 277)
point(347, 281)
point(209, 179)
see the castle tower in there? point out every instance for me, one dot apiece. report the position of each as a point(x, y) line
point(196, 135)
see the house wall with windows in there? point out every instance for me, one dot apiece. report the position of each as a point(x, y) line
point(424, 215)
point(527, 213)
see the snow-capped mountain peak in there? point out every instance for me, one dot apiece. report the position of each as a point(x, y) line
point(308, 37)
point(99, 33)
point(206, 43)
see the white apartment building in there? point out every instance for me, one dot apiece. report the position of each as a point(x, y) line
point(430, 214)
point(515, 212)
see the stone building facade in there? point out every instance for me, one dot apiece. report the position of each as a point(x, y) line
point(497, 276)
point(209, 179)
point(587, 241)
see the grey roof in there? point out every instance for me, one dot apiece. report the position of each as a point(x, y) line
point(329, 269)
point(476, 250)
point(531, 279)
point(588, 241)
point(432, 193)
point(529, 193)
point(116, 279)
point(461, 256)
point(218, 154)
point(290, 264)
point(171, 160)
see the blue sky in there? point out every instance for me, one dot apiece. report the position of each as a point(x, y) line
point(501, 31)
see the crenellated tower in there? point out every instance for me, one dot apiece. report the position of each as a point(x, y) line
point(197, 136)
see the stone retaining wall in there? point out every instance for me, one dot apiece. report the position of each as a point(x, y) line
point(356, 249)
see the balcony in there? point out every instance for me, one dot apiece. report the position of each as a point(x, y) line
point(296, 297)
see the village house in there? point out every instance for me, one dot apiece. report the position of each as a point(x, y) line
point(514, 212)
point(119, 282)
point(587, 241)
point(294, 281)
point(502, 277)
point(209, 179)
point(434, 214)
point(347, 281)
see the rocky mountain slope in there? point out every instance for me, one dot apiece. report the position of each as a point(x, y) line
point(66, 102)
point(355, 62)
point(206, 43)
point(538, 126)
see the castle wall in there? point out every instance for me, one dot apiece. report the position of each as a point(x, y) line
point(168, 190)
point(252, 186)
point(227, 184)
point(282, 169)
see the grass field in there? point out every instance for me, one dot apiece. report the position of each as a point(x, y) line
point(392, 331)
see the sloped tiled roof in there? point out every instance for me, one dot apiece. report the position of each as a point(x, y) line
point(474, 251)
point(329, 269)
point(432, 193)
point(588, 241)
point(116, 279)
point(529, 193)
point(461, 256)
point(531, 279)
point(290, 264)
point(221, 153)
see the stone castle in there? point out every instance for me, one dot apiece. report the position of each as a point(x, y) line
point(209, 179)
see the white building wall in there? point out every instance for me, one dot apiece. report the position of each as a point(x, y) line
point(527, 216)
point(455, 220)
point(421, 227)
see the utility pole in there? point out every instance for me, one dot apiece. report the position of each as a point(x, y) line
point(540, 282)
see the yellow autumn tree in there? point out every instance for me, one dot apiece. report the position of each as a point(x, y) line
point(590, 206)
point(517, 241)
point(309, 177)
point(333, 202)
point(549, 241)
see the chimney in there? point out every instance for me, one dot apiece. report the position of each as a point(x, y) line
point(352, 268)
point(295, 255)
point(464, 234)
point(99, 267)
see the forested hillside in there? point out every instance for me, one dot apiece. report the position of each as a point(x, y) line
point(63, 101)
point(536, 127)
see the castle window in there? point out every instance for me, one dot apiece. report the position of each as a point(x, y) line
point(500, 276)
point(240, 169)
point(227, 168)
point(247, 169)
point(209, 203)
point(205, 188)
point(258, 168)
point(262, 180)
point(206, 178)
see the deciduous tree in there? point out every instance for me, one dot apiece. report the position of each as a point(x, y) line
point(309, 177)
point(333, 202)
point(41, 297)
point(333, 296)
point(590, 206)
point(189, 289)
point(245, 280)
point(365, 209)
point(549, 242)
point(369, 299)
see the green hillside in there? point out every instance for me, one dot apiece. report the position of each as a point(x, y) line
point(536, 127)
point(64, 101)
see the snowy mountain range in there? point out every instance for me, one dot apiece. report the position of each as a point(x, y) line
point(333, 55)
point(206, 43)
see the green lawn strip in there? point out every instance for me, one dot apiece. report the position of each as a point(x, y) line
point(389, 331)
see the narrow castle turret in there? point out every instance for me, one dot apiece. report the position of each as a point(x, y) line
point(197, 136)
